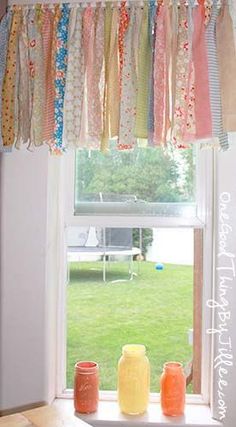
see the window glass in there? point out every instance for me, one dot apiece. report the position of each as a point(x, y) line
point(153, 181)
point(145, 297)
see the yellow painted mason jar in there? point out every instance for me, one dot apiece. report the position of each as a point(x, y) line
point(133, 379)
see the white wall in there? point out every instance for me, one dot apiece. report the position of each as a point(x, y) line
point(25, 356)
point(172, 245)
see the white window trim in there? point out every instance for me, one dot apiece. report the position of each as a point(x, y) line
point(204, 220)
point(108, 415)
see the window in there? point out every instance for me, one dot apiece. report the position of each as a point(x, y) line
point(146, 181)
point(183, 206)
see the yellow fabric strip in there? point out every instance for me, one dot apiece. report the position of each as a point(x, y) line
point(141, 130)
point(113, 88)
point(9, 83)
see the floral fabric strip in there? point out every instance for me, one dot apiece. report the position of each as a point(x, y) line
point(94, 64)
point(94, 77)
point(9, 83)
point(111, 99)
point(183, 119)
point(88, 29)
point(160, 78)
point(32, 34)
point(74, 92)
point(39, 82)
point(4, 32)
point(202, 96)
point(60, 78)
point(123, 25)
point(127, 138)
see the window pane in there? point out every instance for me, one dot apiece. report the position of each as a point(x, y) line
point(147, 180)
point(155, 308)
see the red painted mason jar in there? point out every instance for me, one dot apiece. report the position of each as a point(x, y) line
point(86, 387)
point(173, 389)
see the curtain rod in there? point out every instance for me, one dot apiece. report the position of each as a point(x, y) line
point(34, 2)
point(93, 2)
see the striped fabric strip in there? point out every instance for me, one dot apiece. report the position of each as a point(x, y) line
point(227, 68)
point(214, 84)
point(47, 37)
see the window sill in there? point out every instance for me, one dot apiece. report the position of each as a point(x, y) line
point(108, 414)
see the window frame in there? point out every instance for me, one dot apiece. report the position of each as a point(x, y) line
point(204, 221)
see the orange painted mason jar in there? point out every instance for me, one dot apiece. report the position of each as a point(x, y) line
point(133, 380)
point(173, 389)
point(86, 387)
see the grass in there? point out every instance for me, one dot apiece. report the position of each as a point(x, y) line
point(154, 309)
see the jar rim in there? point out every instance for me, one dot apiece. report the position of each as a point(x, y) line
point(173, 365)
point(86, 366)
point(134, 349)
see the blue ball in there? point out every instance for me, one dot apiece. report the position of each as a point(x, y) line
point(159, 266)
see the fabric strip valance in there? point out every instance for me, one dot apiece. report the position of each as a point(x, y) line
point(150, 72)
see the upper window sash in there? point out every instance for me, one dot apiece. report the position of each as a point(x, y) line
point(138, 213)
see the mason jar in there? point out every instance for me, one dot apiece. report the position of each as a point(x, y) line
point(86, 387)
point(173, 389)
point(133, 380)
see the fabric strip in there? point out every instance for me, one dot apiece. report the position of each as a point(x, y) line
point(9, 83)
point(202, 96)
point(227, 68)
point(4, 33)
point(24, 85)
point(47, 39)
point(60, 78)
point(214, 84)
point(127, 139)
point(141, 129)
point(111, 102)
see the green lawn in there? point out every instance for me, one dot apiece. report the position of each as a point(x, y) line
point(154, 309)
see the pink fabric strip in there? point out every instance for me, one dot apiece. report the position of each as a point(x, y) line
point(123, 25)
point(202, 96)
point(159, 76)
point(47, 39)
